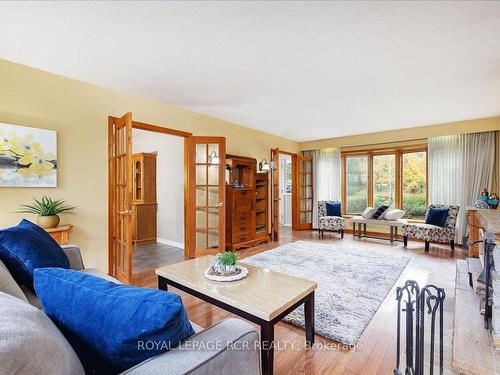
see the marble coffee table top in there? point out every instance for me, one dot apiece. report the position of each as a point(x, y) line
point(263, 293)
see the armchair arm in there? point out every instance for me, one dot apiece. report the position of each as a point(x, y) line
point(74, 256)
point(227, 348)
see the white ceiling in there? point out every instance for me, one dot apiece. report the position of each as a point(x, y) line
point(302, 70)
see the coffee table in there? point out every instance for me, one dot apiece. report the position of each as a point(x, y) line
point(264, 297)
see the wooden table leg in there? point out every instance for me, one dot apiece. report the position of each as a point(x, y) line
point(391, 235)
point(364, 229)
point(359, 230)
point(309, 319)
point(353, 230)
point(267, 347)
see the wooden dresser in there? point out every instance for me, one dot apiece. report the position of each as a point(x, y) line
point(244, 226)
point(144, 198)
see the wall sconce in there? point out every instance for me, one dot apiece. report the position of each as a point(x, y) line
point(213, 158)
point(264, 166)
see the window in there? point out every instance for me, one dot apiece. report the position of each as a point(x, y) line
point(356, 183)
point(384, 180)
point(397, 178)
point(414, 183)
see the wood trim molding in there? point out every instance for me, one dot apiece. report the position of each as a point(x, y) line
point(159, 129)
point(370, 153)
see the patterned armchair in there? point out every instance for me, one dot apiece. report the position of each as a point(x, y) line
point(432, 233)
point(329, 223)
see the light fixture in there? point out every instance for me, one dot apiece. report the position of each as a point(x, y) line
point(213, 158)
point(264, 166)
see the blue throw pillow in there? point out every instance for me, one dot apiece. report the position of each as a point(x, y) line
point(111, 326)
point(437, 216)
point(333, 209)
point(26, 247)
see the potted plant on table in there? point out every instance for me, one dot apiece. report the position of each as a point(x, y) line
point(48, 211)
point(227, 260)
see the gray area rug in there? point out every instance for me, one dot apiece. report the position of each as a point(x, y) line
point(352, 283)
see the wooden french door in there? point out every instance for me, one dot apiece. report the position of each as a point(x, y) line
point(275, 204)
point(120, 197)
point(206, 191)
point(304, 194)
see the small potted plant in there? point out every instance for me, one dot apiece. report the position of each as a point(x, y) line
point(227, 260)
point(48, 211)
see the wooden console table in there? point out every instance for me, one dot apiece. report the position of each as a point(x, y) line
point(60, 234)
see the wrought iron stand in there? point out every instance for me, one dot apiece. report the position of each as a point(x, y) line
point(418, 304)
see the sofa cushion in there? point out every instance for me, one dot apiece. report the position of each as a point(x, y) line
point(394, 214)
point(105, 321)
point(437, 216)
point(31, 344)
point(8, 284)
point(26, 247)
point(379, 213)
point(368, 212)
point(333, 209)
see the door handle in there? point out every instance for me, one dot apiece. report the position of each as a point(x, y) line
point(127, 212)
point(220, 204)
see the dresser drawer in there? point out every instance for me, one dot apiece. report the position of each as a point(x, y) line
point(243, 237)
point(240, 217)
point(243, 207)
point(243, 195)
point(242, 227)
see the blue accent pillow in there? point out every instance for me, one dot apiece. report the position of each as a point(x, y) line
point(26, 247)
point(437, 216)
point(111, 326)
point(333, 209)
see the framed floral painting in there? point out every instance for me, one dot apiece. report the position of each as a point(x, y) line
point(28, 156)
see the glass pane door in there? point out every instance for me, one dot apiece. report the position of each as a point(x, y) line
point(305, 191)
point(207, 189)
point(121, 178)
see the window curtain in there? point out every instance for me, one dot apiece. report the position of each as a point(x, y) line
point(327, 177)
point(460, 166)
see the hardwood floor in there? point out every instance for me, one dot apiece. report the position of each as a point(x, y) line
point(148, 257)
point(376, 349)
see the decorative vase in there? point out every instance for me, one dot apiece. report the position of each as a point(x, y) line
point(493, 200)
point(484, 195)
point(230, 268)
point(48, 222)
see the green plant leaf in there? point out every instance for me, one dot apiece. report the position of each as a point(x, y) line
point(45, 206)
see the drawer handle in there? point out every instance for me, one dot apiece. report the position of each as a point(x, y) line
point(243, 227)
point(243, 217)
point(243, 238)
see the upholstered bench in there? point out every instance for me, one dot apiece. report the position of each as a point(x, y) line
point(393, 225)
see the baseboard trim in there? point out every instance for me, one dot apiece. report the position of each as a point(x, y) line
point(163, 241)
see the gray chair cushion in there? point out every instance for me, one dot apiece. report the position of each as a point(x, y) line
point(31, 344)
point(8, 284)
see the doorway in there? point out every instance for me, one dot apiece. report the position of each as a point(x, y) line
point(302, 192)
point(158, 199)
point(203, 195)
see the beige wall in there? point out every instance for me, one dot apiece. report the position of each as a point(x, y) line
point(79, 112)
point(407, 136)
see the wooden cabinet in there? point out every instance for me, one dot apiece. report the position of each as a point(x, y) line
point(473, 228)
point(60, 234)
point(245, 206)
point(262, 206)
point(144, 198)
